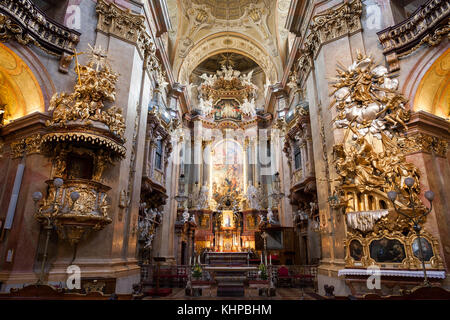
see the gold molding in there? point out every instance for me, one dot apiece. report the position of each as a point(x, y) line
point(25, 146)
point(421, 142)
point(92, 137)
point(410, 261)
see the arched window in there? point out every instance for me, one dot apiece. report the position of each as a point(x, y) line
point(158, 154)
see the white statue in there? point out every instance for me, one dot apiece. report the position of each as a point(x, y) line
point(148, 242)
point(193, 219)
point(359, 64)
point(203, 198)
point(270, 216)
point(261, 218)
point(228, 111)
point(189, 89)
point(208, 80)
point(142, 227)
point(314, 207)
point(206, 106)
point(185, 215)
point(252, 197)
point(248, 107)
point(246, 79)
point(150, 214)
point(228, 74)
point(236, 73)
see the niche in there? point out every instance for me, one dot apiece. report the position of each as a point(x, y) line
point(79, 166)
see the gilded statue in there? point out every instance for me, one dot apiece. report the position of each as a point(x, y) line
point(366, 99)
point(85, 105)
point(368, 105)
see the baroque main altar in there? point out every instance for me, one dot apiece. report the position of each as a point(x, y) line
point(224, 200)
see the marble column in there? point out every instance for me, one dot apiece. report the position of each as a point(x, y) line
point(207, 162)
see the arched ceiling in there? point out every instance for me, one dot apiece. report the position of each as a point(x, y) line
point(227, 9)
point(235, 60)
point(202, 29)
point(231, 43)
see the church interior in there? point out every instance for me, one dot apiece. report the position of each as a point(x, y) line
point(217, 149)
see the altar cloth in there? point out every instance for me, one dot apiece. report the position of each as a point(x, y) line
point(395, 273)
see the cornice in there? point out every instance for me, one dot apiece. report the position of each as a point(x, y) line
point(296, 16)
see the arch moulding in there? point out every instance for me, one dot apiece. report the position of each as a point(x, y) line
point(220, 43)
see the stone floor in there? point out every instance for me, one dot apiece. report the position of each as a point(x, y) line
point(281, 294)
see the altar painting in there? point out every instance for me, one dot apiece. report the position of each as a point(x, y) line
point(227, 109)
point(227, 169)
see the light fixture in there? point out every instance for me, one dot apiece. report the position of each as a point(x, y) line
point(37, 196)
point(409, 182)
point(429, 195)
point(392, 195)
point(58, 182)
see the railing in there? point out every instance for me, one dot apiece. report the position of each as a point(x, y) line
point(168, 276)
point(428, 24)
point(282, 275)
point(294, 275)
point(26, 23)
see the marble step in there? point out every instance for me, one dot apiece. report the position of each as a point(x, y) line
point(230, 284)
point(227, 278)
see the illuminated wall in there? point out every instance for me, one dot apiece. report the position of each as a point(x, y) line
point(433, 93)
point(19, 89)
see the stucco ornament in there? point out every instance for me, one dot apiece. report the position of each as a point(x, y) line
point(206, 15)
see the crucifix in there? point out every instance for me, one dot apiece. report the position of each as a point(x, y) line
point(77, 64)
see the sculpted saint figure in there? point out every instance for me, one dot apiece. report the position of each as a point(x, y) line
point(252, 197)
